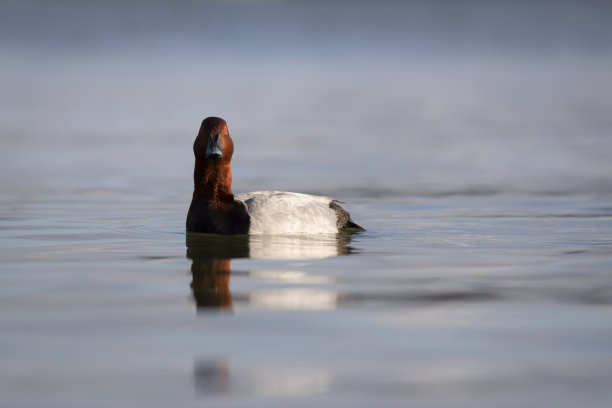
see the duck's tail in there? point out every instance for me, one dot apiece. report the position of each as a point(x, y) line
point(344, 221)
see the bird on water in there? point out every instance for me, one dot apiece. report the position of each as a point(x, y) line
point(215, 209)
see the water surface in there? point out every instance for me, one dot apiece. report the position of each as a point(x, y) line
point(477, 155)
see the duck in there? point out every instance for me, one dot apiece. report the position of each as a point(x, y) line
point(215, 209)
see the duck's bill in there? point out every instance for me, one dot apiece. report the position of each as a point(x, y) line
point(214, 156)
point(215, 147)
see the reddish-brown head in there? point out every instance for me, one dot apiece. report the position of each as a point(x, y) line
point(213, 146)
point(212, 174)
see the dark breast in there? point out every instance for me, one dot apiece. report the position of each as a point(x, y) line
point(202, 217)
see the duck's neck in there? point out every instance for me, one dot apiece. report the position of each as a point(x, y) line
point(213, 184)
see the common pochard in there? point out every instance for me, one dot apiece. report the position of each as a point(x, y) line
point(214, 209)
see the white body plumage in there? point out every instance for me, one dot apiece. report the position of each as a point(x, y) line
point(278, 212)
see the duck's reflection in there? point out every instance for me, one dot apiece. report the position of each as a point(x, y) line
point(212, 255)
point(219, 376)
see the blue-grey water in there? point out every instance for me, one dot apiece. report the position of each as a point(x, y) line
point(472, 139)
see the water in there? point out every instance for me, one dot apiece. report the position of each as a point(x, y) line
point(476, 155)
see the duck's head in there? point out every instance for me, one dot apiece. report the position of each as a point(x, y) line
point(213, 145)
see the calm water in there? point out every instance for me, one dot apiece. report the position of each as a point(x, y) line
point(478, 156)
